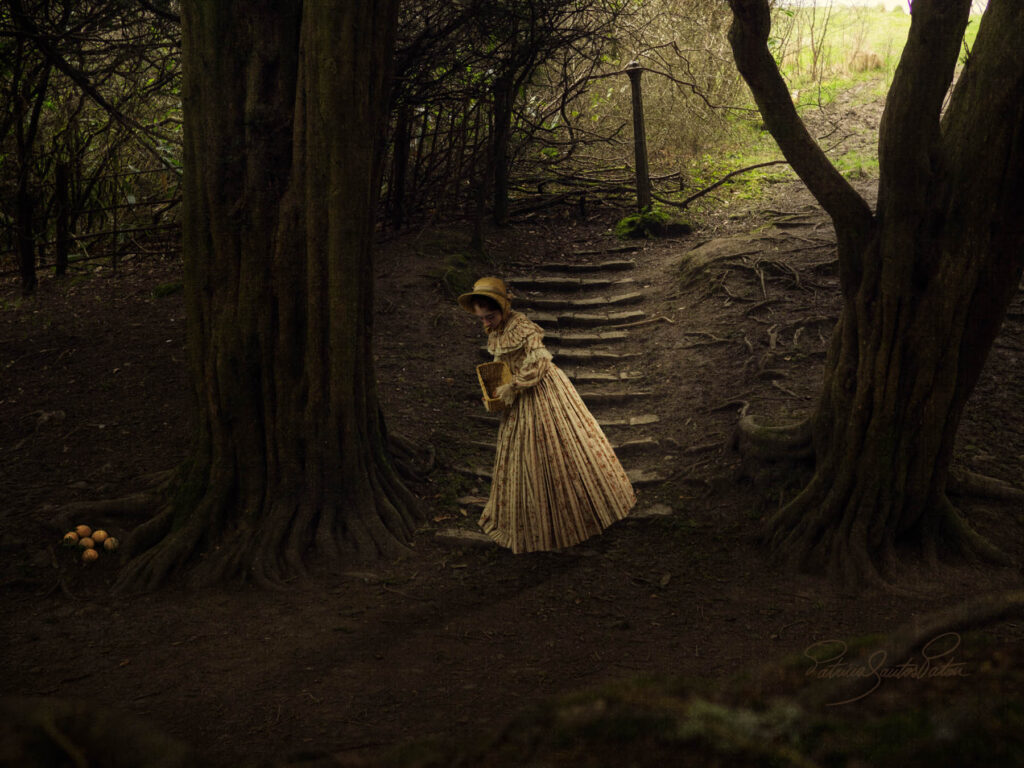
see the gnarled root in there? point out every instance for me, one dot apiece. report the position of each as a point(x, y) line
point(963, 482)
point(105, 510)
point(819, 531)
point(221, 537)
point(808, 534)
point(787, 442)
point(411, 461)
point(124, 508)
point(952, 530)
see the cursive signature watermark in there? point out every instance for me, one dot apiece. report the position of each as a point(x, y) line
point(938, 659)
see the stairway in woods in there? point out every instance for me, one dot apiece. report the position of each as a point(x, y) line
point(590, 307)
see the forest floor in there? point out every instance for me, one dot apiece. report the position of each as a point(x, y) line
point(450, 642)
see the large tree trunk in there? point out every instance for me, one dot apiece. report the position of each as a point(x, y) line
point(285, 105)
point(926, 282)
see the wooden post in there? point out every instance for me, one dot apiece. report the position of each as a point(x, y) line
point(643, 177)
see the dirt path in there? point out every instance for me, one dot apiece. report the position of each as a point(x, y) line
point(452, 640)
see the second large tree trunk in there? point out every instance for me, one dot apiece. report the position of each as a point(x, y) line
point(926, 282)
point(904, 358)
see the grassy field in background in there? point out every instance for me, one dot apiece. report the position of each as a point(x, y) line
point(821, 43)
point(822, 52)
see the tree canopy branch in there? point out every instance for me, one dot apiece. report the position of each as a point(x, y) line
point(80, 79)
point(850, 213)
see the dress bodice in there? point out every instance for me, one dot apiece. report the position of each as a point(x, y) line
point(520, 345)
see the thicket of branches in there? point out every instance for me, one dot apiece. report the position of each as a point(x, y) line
point(89, 128)
point(519, 98)
point(498, 106)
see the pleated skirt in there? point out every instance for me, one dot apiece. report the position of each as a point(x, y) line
point(556, 479)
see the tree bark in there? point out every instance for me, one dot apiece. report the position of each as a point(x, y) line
point(285, 107)
point(926, 282)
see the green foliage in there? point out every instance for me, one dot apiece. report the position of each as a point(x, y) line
point(821, 44)
point(856, 165)
point(651, 222)
point(168, 289)
point(457, 266)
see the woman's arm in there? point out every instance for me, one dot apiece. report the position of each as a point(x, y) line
point(531, 370)
point(534, 365)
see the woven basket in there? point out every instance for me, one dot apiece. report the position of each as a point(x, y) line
point(492, 376)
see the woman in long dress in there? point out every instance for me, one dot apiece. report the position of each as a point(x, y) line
point(556, 480)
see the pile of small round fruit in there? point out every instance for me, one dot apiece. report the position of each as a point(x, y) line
point(89, 541)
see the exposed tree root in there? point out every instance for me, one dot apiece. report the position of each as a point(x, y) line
point(131, 506)
point(963, 482)
point(816, 532)
point(413, 462)
point(777, 443)
point(838, 527)
point(956, 533)
point(125, 508)
point(221, 537)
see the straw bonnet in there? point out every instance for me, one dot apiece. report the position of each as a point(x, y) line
point(492, 288)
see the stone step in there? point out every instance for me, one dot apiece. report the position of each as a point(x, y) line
point(627, 421)
point(540, 282)
point(582, 339)
point(630, 421)
point(626, 447)
point(653, 511)
point(460, 537)
point(593, 398)
point(585, 376)
point(543, 319)
point(636, 446)
point(588, 319)
point(596, 302)
point(477, 504)
point(474, 472)
point(605, 398)
point(596, 355)
point(595, 266)
point(625, 248)
point(581, 376)
point(636, 476)
point(572, 354)
point(646, 476)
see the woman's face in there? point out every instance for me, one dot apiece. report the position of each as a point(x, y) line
point(491, 318)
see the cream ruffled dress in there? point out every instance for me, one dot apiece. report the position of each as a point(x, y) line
point(556, 479)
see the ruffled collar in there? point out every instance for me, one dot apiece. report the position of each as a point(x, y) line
point(513, 334)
